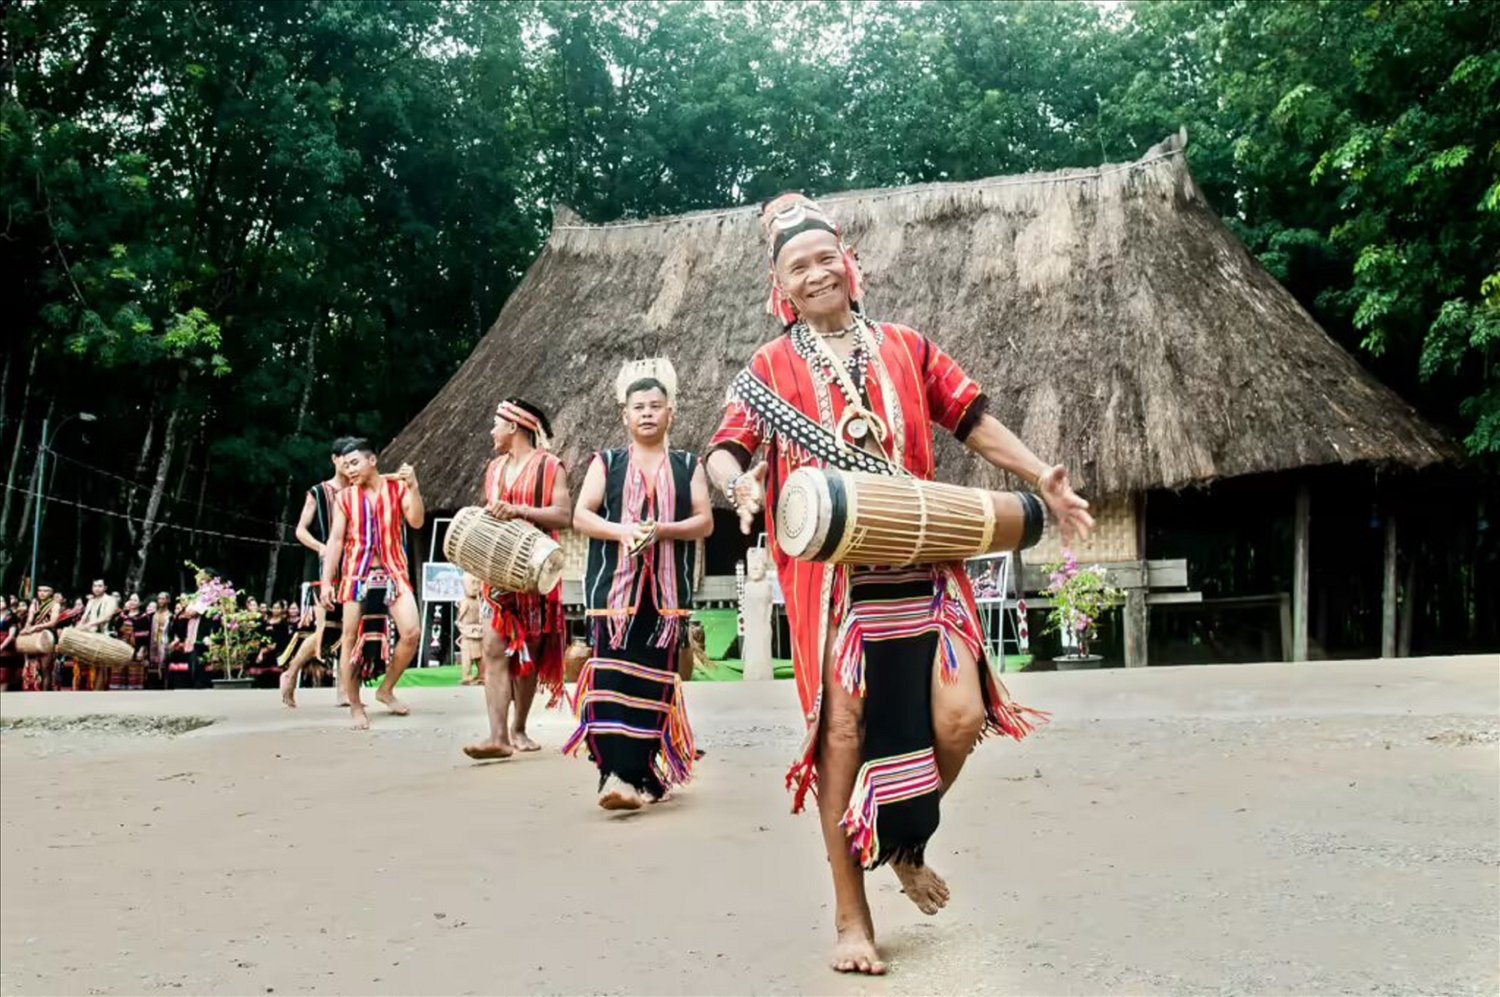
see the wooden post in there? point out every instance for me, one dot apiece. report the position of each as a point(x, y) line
point(1300, 573)
point(1137, 628)
point(1388, 596)
point(1404, 626)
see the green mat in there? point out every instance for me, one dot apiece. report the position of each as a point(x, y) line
point(727, 670)
point(721, 628)
point(426, 678)
point(733, 670)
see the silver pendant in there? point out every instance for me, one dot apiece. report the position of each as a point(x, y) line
point(858, 430)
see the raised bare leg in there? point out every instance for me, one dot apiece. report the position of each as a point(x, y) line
point(349, 663)
point(957, 719)
point(404, 615)
point(495, 668)
point(306, 651)
point(839, 741)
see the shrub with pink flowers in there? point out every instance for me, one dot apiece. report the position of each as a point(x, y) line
point(239, 635)
point(1080, 596)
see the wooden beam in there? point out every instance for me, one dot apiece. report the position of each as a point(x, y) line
point(1300, 523)
point(1408, 607)
point(1388, 595)
point(1137, 628)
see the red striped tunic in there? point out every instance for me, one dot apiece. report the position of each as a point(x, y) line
point(374, 535)
point(522, 617)
point(921, 386)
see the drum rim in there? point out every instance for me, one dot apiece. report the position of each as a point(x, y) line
point(814, 482)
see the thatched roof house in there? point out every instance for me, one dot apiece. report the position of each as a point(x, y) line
point(1118, 326)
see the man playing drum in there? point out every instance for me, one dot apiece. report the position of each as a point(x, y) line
point(525, 638)
point(366, 556)
point(45, 615)
point(312, 533)
point(642, 508)
point(890, 664)
point(99, 614)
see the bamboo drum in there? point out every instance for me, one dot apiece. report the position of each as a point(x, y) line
point(510, 554)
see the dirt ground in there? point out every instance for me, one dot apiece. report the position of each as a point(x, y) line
point(1254, 829)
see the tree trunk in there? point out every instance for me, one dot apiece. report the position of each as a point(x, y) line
point(108, 561)
point(130, 491)
point(15, 449)
point(5, 394)
point(310, 371)
point(78, 543)
point(33, 488)
point(153, 506)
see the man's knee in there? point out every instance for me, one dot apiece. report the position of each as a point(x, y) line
point(843, 728)
point(959, 723)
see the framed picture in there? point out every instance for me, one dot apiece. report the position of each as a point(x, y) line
point(442, 581)
point(990, 576)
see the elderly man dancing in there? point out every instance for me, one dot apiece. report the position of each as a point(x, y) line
point(890, 663)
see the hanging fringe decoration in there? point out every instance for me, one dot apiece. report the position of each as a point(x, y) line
point(880, 783)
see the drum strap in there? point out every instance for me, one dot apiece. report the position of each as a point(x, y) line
point(798, 430)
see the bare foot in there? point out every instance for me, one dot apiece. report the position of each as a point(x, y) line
point(488, 751)
point(522, 742)
point(617, 795)
point(288, 691)
point(855, 952)
point(925, 888)
point(361, 718)
point(390, 702)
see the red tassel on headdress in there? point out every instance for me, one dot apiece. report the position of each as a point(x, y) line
point(779, 304)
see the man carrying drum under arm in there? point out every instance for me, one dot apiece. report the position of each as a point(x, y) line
point(890, 664)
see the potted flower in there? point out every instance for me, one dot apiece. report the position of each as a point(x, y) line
point(236, 636)
point(1080, 595)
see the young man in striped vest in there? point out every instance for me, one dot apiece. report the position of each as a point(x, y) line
point(366, 556)
point(312, 533)
point(643, 507)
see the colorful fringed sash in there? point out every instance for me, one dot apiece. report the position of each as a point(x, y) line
point(524, 617)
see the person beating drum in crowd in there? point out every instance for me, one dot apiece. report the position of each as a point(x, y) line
point(45, 615)
point(642, 508)
point(524, 641)
point(312, 533)
point(890, 663)
point(366, 557)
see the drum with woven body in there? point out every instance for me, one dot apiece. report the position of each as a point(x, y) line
point(39, 643)
point(96, 650)
point(508, 554)
point(851, 517)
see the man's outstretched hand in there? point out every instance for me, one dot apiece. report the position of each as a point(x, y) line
point(750, 495)
point(1067, 508)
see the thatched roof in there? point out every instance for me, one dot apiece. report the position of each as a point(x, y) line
point(1116, 323)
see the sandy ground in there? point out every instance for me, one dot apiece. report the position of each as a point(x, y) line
point(1327, 828)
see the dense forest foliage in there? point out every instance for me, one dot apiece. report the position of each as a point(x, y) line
point(235, 228)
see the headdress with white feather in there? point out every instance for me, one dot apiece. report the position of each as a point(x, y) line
point(659, 368)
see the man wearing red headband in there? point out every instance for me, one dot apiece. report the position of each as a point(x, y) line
point(525, 638)
point(890, 663)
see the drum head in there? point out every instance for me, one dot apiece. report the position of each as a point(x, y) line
point(550, 572)
point(802, 512)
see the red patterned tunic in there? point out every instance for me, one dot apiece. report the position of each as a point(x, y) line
point(520, 617)
point(374, 534)
point(911, 385)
